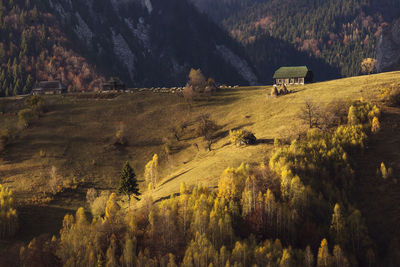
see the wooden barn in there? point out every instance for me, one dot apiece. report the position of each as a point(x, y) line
point(114, 84)
point(293, 75)
point(48, 88)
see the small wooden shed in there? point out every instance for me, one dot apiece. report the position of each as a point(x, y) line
point(48, 87)
point(293, 75)
point(114, 84)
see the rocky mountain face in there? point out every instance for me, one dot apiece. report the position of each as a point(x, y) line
point(388, 48)
point(150, 42)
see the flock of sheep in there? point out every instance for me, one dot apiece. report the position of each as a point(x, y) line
point(172, 90)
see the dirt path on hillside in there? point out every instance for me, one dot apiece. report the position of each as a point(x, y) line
point(379, 199)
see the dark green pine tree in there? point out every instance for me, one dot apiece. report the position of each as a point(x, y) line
point(128, 182)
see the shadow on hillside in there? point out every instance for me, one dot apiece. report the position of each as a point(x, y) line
point(177, 148)
point(217, 101)
point(175, 176)
point(296, 91)
point(166, 197)
point(238, 89)
point(264, 141)
point(37, 220)
point(242, 126)
point(14, 171)
point(178, 194)
point(234, 92)
point(378, 198)
point(16, 152)
point(225, 94)
point(147, 143)
point(223, 134)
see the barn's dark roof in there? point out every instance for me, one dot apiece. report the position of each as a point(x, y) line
point(291, 72)
point(114, 83)
point(50, 84)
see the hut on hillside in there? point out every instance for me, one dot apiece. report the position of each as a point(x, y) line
point(114, 84)
point(48, 88)
point(293, 75)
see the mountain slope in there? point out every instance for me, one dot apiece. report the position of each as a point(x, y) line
point(145, 43)
point(340, 33)
point(150, 42)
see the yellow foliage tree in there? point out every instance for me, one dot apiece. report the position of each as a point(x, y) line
point(384, 171)
point(376, 126)
point(111, 259)
point(151, 171)
point(112, 208)
point(171, 260)
point(368, 65)
point(338, 224)
point(286, 259)
point(352, 118)
point(324, 258)
point(8, 215)
point(308, 257)
point(129, 252)
point(270, 206)
point(339, 258)
point(200, 252)
point(298, 193)
point(240, 254)
point(74, 237)
point(232, 182)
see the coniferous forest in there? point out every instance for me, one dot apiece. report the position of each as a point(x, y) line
point(32, 48)
point(338, 34)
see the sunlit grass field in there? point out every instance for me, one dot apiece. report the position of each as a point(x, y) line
point(77, 136)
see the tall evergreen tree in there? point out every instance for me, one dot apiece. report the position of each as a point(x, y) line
point(128, 182)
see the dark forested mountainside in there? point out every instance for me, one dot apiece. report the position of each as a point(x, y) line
point(33, 48)
point(269, 53)
point(145, 43)
point(152, 42)
point(219, 10)
point(340, 33)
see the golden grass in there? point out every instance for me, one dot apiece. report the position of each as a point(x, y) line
point(76, 135)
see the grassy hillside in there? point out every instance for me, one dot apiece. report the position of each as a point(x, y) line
point(77, 137)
